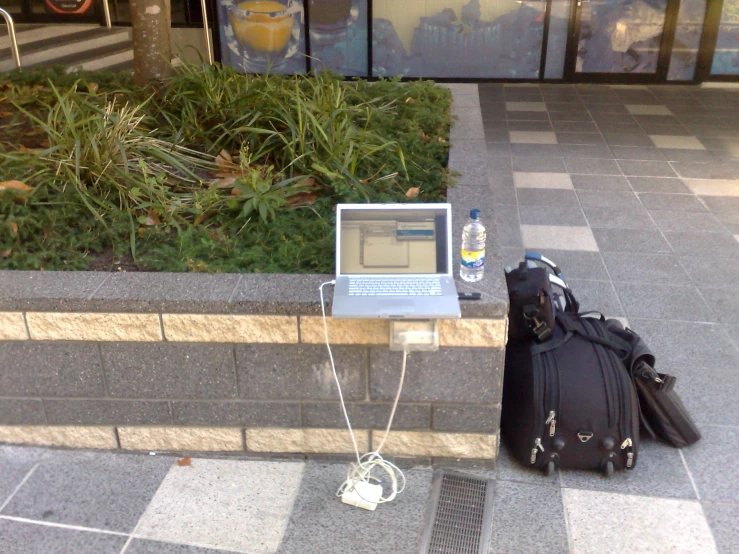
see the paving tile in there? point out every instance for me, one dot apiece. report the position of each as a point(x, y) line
point(645, 268)
point(646, 524)
point(607, 199)
point(600, 182)
point(598, 296)
point(527, 127)
point(579, 138)
point(637, 153)
point(497, 135)
point(586, 151)
point(619, 218)
point(725, 208)
point(720, 245)
point(575, 126)
point(712, 464)
point(533, 137)
point(523, 511)
point(576, 264)
point(143, 546)
point(722, 519)
point(528, 116)
point(28, 538)
point(546, 197)
point(682, 155)
point(570, 216)
point(624, 139)
point(663, 302)
point(542, 180)
point(646, 169)
point(623, 128)
point(681, 343)
point(558, 237)
point(645, 109)
point(508, 469)
point(116, 489)
point(648, 122)
point(499, 164)
point(577, 115)
point(526, 106)
point(630, 240)
point(687, 221)
point(540, 150)
point(719, 273)
point(708, 391)
point(713, 187)
point(589, 166)
point(697, 170)
point(496, 149)
point(22, 411)
point(16, 462)
point(535, 164)
point(671, 202)
point(725, 304)
point(508, 227)
point(666, 185)
point(659, 472)
point(224, 504)
point(319, 522)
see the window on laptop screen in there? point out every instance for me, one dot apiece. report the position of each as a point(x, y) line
point(393, 241)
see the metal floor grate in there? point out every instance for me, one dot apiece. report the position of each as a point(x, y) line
point(459, 517)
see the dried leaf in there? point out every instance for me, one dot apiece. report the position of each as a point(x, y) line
point(202, 217)
point(6, 253)
point(441, 139)
point(226, 182)
point(14, 228)
point(22, 148)
point(224, 159)
point(424, 137)
point(152, 218)
point(409, 100)
point(413, 192)
point(235, 191)
point(92, 87)
point(302, 198)
point(5, 114)
point(16, 185)
point(184, 461)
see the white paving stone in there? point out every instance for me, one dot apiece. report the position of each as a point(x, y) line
point(558, 237)
point(713, 187)
point(533, 137)
point(241, 506)
point(538, 180)
point(678, 142)
point(601, 523)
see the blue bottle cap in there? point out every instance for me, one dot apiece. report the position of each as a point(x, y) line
point(474, 214)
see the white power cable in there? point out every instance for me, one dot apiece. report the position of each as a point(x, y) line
point(362, 469)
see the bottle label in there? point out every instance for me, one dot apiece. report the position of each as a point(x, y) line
point(473, 260)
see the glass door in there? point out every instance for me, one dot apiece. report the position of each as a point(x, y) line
point(619, 40)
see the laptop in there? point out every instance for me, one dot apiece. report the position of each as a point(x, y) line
point(394, 261)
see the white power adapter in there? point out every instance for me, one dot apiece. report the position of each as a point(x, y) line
point(362, 494)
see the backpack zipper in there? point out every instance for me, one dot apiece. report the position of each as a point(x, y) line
point(552, 423)
point(630, 454)
point(534, 451)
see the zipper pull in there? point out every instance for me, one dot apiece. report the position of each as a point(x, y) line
point(552, 423)
point(626, 444)
point(534, 451)
point(629, 459)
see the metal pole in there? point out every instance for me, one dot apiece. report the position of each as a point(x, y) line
point(106, 9)
point(204, 7)
point(13, 40)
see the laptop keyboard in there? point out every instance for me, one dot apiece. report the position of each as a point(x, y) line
point(394, 287)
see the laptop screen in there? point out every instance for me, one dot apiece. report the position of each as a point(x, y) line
point(396, 241)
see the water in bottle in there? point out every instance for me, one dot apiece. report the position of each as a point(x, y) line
point(473, 249)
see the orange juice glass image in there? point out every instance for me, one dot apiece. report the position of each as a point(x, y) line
point(263, 25)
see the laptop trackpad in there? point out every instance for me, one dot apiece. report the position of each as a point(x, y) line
point(395, 307)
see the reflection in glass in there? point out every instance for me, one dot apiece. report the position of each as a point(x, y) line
point(687, 40)
point(458, 38)
point(559, 24)
point(726, 56)
point(620, 36)
point(338, 36)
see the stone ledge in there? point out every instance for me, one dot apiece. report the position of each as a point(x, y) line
point(221, 439)
point(451, 445)
point(230, 328)
point(68, 436)
point(12, 326)
point(94, 326)
point(329, 441)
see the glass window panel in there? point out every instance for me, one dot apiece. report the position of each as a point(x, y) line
point(338, 36)
point(687, 40)
point(457, 38)
point(559, 24)
point(726, 56)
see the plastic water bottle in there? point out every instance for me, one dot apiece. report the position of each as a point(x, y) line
point(473, 249)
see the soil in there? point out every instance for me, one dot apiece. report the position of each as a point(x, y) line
point(106, 261)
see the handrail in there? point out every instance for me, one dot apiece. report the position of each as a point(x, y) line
point(207, 33)
point(13, 39)
point(106, 11)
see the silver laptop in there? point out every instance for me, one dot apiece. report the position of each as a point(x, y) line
point(394, 261)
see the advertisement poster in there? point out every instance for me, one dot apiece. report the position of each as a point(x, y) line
point(338, 36)
point(261, 36)
point(69, 7)
point(458, 38)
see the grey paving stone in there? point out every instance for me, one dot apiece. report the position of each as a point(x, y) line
point(637, 153)
point(575, 126)
point(497, 135)
point(293, 372)
point(48, 290)
point(697, 170)
point(528, 519)
point(646, 169)
point(671, 202)
point(586, 151)
point(597, 296)
point(708, 245)
point(496, 149)
point(681, 343)
point(502, 194)
point(659, 471)
point(588, 166)
point(545, 197)
point(712, 465)
point(576, 264)
point(434, 376)
point(571, 216)
point(321, 523)
point(713, 272)
point(722, 519)
point(664, 302)
point(527, 116)
point(468, 125)
point(16, 462)
point(169, 370)
point(708, 391)
point(682, 221)
point(600, 182)
point(619, 218)
point(106, 412)
point(613, 117)
point(683, 155)
point(645, 268)
point(578, 115)
point(366, 415)
point(659, 185)
point(28, 538)
point(608, 199)
point(508, 469)
point(21, 411)
point(143, 546)
point(166, 292)
point(465, 418)
point(536, 126)
point(508, 227)
point(499, 164)
point(628, 128)
point(733, 331)
point(630, 240)
point(725, 304)
point(116, 489)
point(724, 208)
point(250, 414)
point(532, 163)
point(59, 368)
point(511, 256)
point(579, 138)
point(622, 139)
